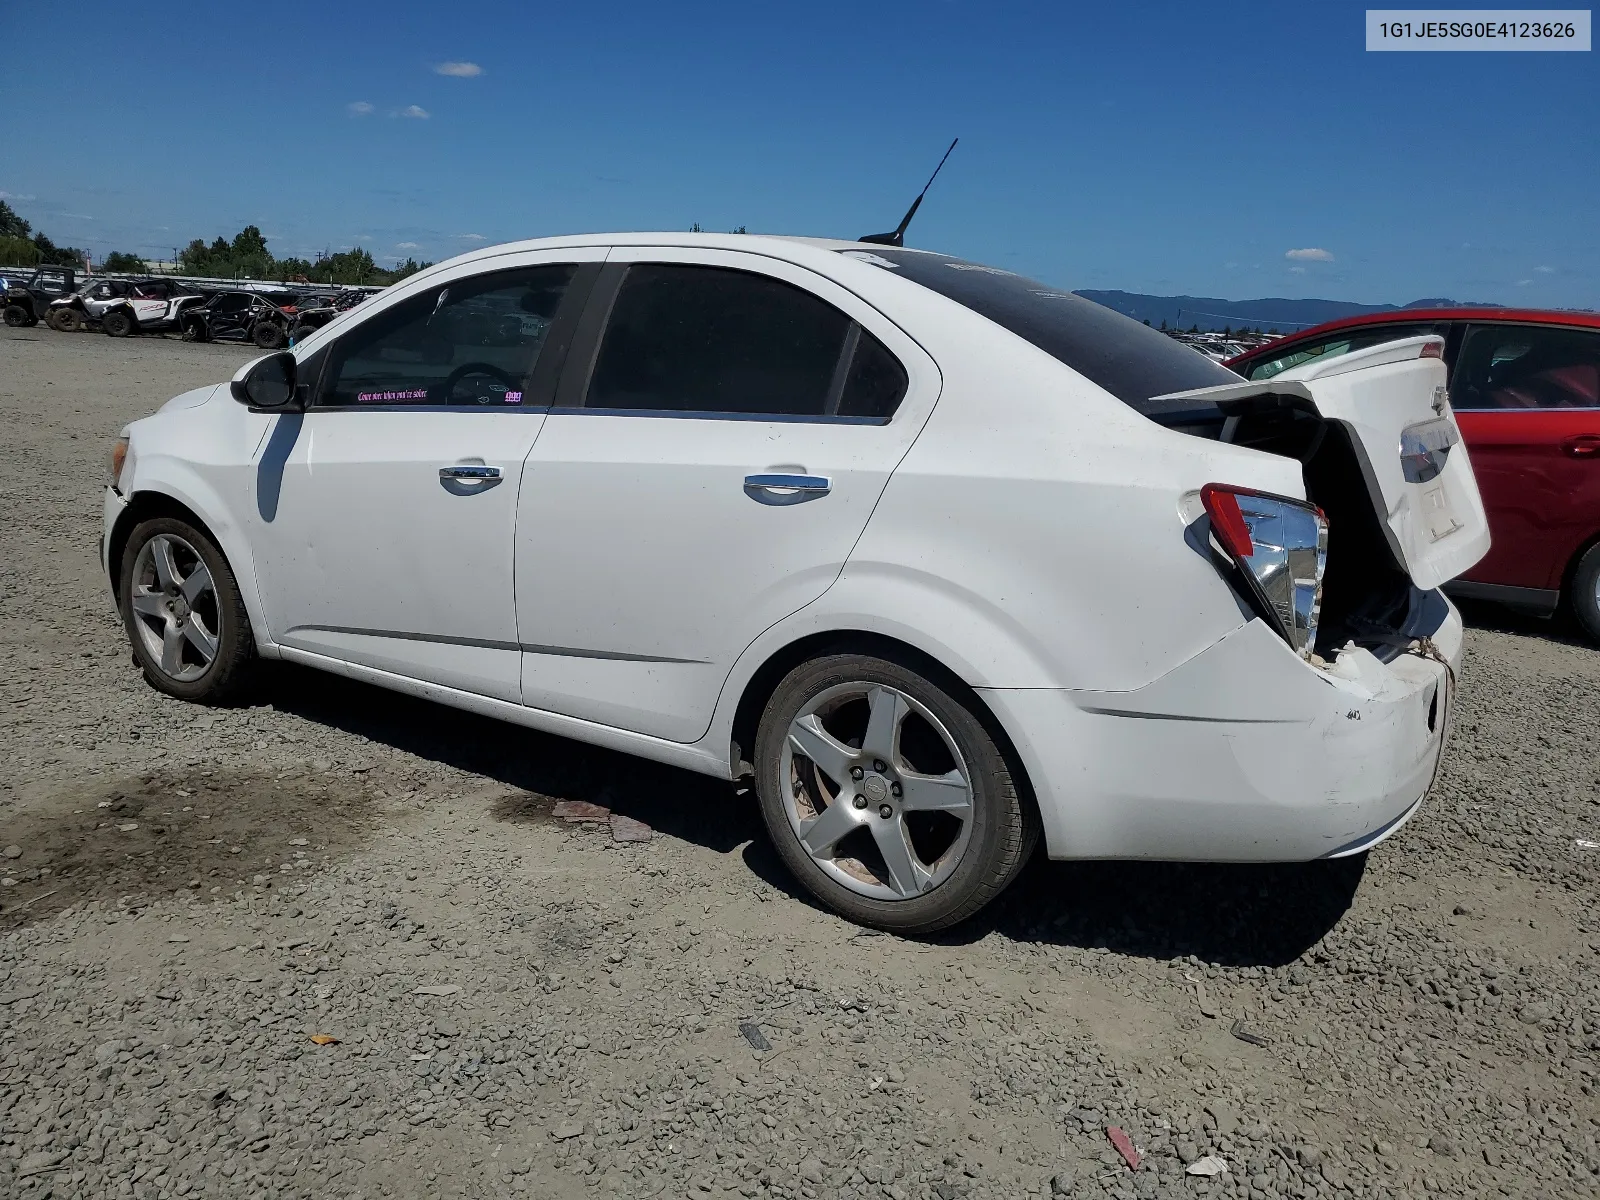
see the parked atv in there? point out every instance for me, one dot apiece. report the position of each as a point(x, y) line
point(26, 303)
point(151, 306)
point(241, 316)
point(313, 312)
point(85, 306)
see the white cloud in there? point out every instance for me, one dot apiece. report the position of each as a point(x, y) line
point(1297, 270)
point(461, 70)
point(1545, 270)
point(470, 237)
point(1524, 282)
point(1310, 254)
point(413, 110)
point(358, 108)
point(76, 216)
point(407, 246)
point(15, 196)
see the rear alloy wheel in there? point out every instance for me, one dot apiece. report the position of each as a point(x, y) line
point(117, 324)
point(64, 320)
point(18, 317)
point(268, 335)
point(1584, 595)
point(886, 796)
point(183, 612)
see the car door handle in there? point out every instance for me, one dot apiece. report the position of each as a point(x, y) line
point(1585, 445)
point(469, 472)
point(786, 489)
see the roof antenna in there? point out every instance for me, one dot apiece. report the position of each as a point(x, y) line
point(897, 238)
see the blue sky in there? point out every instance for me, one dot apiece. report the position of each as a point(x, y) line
point(1156, 148)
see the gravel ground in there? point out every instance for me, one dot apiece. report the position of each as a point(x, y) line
point(525, 1006)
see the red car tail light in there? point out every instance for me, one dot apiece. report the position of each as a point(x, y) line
point(1280, 548)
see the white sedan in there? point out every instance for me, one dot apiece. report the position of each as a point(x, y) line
point(946, 559)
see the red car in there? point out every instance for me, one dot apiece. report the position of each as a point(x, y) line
point(1525, 388)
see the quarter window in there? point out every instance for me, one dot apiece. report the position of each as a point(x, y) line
point(695, 339)
point(1344, 342)
point(1510, 366)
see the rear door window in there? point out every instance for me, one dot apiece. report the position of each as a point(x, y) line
point(1527, 366)
point(710, 340)
point(1335, 344)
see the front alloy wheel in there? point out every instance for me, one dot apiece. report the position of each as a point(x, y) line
point(887, 796)
point(184, 615)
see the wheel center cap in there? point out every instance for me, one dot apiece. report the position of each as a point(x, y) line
point(875, 788)
point(180, 608)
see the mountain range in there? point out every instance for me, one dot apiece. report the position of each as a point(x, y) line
point(1283, 315)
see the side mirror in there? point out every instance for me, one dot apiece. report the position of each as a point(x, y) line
point(267, 383)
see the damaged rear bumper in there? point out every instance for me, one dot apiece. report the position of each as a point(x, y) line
point(1242, 754)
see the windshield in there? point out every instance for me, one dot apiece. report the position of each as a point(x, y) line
point(1131, 361)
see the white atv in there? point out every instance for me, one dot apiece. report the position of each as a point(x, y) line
point(150, 306)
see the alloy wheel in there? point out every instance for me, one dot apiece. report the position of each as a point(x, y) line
point(877, 792)
point(175, 610)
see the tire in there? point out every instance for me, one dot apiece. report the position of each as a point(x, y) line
point(268, 335)
point(202, 653)
point(952, 860)
point(18, 317)
point(65, 320)
point(117, 324)
point(299, 334)
point(1583, 597)
point(194, 331)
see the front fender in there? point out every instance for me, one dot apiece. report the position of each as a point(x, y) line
point(170, 477)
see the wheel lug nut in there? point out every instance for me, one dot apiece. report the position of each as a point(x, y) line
point(879, 766)
point(856, 773)
point(885, 811)
point(860, 801)
point(894, 788)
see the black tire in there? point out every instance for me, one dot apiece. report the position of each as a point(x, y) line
point(65, 320)
point(299, 334)
point(233, 656)
point(194, 331)
point(268, 335)
point(1003, 825)
point(1583, 596)
point(18, 317)
point(117, 323)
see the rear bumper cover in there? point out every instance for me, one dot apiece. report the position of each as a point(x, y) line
point(1242, 754)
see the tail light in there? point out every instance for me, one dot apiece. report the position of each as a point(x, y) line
point(1280, 548)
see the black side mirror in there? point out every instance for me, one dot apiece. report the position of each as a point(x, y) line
point(270, 383)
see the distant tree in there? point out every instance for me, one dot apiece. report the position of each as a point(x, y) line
point(1163, 324)
point(248, 243)
point(18, 252)
point(52, 255)
point(741, 229)
point(1272, 332)
point(118, 261)
point(695, 228)
point(1227, 331)
point(1147, 320)
point(1194, 329)
point(12, 225)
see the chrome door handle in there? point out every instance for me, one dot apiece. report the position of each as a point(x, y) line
point(786, 489)
point(469, 472)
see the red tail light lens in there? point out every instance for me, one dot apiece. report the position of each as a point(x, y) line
point(1281, 549)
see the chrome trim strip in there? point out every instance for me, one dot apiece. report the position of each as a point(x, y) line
point(682, 415)
point(490, 644)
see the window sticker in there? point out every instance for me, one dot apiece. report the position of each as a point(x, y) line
point(867, 256)
point(958, 266)
point(391, 397)
point(513, 397)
